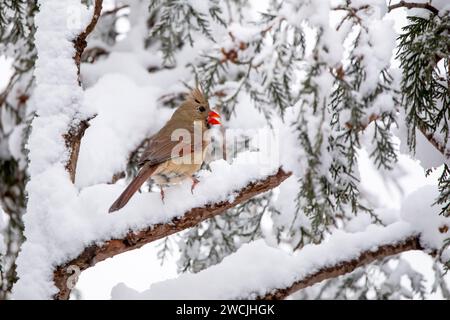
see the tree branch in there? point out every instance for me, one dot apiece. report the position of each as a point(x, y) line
point(411, 5)
point(364, 258)
point(281, 274)
point(73, 142)
point(115, 10)
point(439, 146)
point(134, 240)
point(80, 42)
point(73, 137)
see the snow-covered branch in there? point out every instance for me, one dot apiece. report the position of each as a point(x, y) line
point(271, 273)
point(80, 41)
point(440, 146)
point(75, 134)
point(134, 240)
point(344, 267)
point(267, 272)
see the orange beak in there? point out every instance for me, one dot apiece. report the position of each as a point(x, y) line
point(213, 118)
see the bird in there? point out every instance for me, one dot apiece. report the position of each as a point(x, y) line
point(160, 162)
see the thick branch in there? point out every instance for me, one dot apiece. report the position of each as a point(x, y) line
point(365, 258)
point(411, 5)
point(134, 240)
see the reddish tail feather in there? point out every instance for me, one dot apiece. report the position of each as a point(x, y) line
point(144, 174)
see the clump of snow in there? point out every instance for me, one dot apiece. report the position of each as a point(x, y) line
point(418, 209)
point(426, 153)
point(125, 116)
point(244, 33)
point(286, 215)
point(377, 49)
point(135, 68)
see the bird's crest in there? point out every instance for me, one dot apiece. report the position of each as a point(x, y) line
point(197, 96)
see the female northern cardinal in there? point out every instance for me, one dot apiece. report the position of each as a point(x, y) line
point(159, 161)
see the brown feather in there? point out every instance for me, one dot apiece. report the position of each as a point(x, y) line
point(144, 174)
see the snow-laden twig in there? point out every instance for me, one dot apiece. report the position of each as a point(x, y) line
point(75, 134)
point(80, 41)
point(441, 147)
point(134, 240)
point(411, 5)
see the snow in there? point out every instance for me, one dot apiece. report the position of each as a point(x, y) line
point(377, 51)
point(2, 240)
point(63, 218)
point(256, 268)
point(285, 205)
point(5, 71)
point(441, 5)
point(134, 68)
point(124, 118)
point(426, 153)
point(77, 220)
point(418, 209)
point(15, 144)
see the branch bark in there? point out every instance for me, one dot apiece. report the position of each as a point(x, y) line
point(365, 258)
point(439, 146)
point(80, 42)
point(73, 137)
point(134, 240)
point(411, 5)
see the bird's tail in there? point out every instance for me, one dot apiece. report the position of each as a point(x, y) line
point(134, 186)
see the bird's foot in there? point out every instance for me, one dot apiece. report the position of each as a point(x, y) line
point(195, 181)
point(162, 194)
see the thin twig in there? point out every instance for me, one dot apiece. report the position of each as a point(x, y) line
point(412, 5)
point(80, 41)
point(438, 145)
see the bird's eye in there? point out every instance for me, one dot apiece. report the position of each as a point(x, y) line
point(196, 101)
point(201, 109)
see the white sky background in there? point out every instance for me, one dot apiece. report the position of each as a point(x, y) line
point(139, 268)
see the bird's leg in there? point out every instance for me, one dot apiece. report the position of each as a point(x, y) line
point(195, 181)
point(162, 193)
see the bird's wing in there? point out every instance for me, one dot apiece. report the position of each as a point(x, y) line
point(159, 149)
